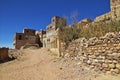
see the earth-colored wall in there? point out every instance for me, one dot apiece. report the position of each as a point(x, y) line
point(101, 54)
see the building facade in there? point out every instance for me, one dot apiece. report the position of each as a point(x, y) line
point(28, 37)
point(50, 39)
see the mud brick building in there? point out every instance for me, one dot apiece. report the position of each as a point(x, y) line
point(28, 37)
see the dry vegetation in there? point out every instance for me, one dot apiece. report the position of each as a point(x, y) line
point(91, 30)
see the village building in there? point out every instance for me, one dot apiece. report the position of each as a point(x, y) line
point(50, 37)
point(28, 37)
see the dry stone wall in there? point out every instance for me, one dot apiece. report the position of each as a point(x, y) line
point(100, 54)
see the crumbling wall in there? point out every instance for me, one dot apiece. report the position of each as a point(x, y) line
point(100, 54)
point(3, 54)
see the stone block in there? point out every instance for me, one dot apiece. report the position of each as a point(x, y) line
point(112, 66)
point(104, 65)
point(117, 71)
point(118, 66)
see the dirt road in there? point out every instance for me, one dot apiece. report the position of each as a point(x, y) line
point(40, 64)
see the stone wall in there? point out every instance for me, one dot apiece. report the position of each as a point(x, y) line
point(3, 54)
point(100, 54)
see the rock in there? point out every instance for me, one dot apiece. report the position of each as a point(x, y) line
point(114, 61)
point(110, 35)
point(108, 72)
point(79, 63)
point(104, 65)
point(89, 62)
point(112, 66)
point(118, 66)
point(108, 61)
point(117, 71)
point(93, 56)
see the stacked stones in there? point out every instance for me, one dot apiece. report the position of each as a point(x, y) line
point(100, 54)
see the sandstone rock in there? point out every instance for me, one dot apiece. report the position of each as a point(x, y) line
point(112, 66)
point(104, 65)
point(108, 72)
point(93, 56)
point(101, 61)
point(115, 71)
point(110, 35)
point(108, 61)
point(97, 54)
point(89, 62)
point(118, 66)
point(115, 61)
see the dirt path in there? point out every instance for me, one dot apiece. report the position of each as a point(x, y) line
point(39, 64)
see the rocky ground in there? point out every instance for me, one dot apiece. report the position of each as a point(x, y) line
point(40, 64)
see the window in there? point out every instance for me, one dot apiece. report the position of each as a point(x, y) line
point(48, 41)
point(27, 31)
point(20, 37)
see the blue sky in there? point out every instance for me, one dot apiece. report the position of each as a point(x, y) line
point(15, 15)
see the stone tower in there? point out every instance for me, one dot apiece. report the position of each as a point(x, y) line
point(115, 8)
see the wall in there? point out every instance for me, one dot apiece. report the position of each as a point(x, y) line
point(52, 32)
point(3, 54)
point(101, 54)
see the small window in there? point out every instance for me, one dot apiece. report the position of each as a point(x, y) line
point(20, 37)
point(27, 31)
point(48, 40)
point(33, 31)
point(50, 27)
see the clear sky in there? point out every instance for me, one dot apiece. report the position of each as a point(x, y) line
point(15, 15)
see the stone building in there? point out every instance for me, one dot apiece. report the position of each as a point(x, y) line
point(28, 37)
point(50, 39)
point(3, 54)
point(113, 14)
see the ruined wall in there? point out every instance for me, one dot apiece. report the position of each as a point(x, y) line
point(100, 54)
point(3, 54)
